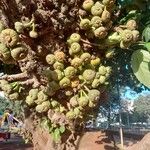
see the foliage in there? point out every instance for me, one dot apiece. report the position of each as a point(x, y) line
point(142, 105)
point(14, 106)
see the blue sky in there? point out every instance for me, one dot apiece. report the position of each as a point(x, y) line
point(132, 95)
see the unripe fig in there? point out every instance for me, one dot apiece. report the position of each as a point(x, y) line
point(29, 100)
point(54, 103)
point(48, 73)
point(50, 59)
point(74, 101)
point(33, 34)
point(131, 24)
point(85, 24)
point(41, 98)
point(109, 69)
point(99, 4)
point(95, 62)
point(70, 72)
point(7, 88)
point(57, 75)
point(77, 111)
point(19, 52)
point(46, 106)
point(89, 75)
point(102, 70)
point(74, 48)
point(4, 52)
point(14, 96)
point(70, 115)
point(76, 62)
point(75, 37)
point(60, 56)
point(33, 93)
point(125, 45)
point(94, 95)
point(106, 16)
point(113, 38)
point(108, 2)
point(19, 27)
point(97, 75)
point(65, 82)
point(109, 53)
point(54, 85)
point(39, 108)
point(58, 65)
point(49, 91)
point(96, 21)
point(102, 79)
point(101, 32)
point(96, 10)
point(87, 4)
point(83, 101)
point(136, 35)
point(95, 83)
point(62, 109)
point(9, 37)
point(126, 36)
point(85, 57)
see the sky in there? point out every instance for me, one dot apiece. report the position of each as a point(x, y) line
point(132, 95)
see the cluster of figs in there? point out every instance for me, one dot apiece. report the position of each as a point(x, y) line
point(11, 49)
point(12, 90)
point(79, 76)
point(97, 21)
point(74, 78)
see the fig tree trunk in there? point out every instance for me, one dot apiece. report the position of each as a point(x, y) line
point(57, 52)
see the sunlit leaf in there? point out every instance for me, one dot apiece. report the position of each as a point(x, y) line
point(56, 135)
point(140, 63)
point(146, 34)
point(62, 129)
point(147, 45)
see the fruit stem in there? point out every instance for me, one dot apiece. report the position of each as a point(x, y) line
point(86, 88)
point(85, 94)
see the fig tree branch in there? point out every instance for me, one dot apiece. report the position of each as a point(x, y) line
point(14, 77)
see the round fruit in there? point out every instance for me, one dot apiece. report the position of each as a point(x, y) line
point(89, 74)
point(75, 37)
point(87, 4)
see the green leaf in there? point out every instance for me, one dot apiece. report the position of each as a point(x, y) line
point(45, 124)
point(62, 129)
point(147, 45)
point(140, 63)
point(56, 135)
point(146, 34)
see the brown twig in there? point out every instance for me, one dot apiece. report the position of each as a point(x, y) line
point(14, 77)
point(93, 44)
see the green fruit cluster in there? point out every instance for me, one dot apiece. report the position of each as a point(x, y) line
point(29, 26)
point(98, 24)
point(11, 90)
point(10, 48)
point(99, 16)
